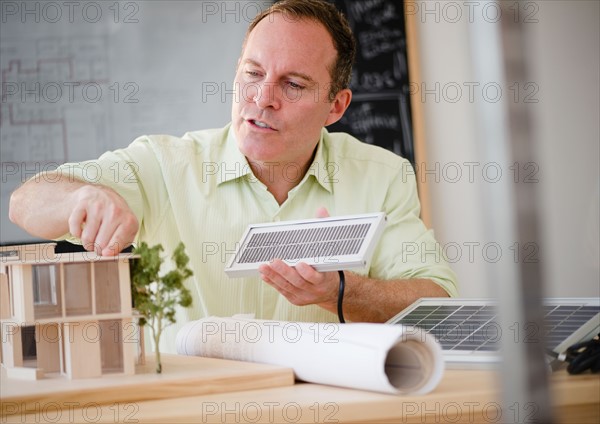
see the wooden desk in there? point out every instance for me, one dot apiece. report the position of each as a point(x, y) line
point(462, 397)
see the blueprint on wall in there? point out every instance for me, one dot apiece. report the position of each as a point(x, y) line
point(80, 78)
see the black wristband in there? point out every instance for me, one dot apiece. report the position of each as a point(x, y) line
point(341, 297)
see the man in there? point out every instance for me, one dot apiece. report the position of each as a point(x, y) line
point(275, 161)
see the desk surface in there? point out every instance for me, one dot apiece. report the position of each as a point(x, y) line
point(462, 396)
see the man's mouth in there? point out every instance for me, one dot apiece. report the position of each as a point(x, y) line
point(260, 124)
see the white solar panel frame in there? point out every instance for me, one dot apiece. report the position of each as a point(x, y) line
point(334, 262)
point(462, 358)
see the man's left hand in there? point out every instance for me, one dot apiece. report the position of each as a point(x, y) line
point(302, 285)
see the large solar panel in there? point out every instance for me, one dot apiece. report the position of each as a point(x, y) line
point(328, 244)
point(468, 330)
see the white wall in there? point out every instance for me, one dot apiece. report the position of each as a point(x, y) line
point(563, 64)
point(451, 143)
point(565, 61)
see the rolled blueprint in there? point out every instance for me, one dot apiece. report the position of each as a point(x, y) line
point(380, 357)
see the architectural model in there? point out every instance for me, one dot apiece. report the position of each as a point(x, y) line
point(66, 314)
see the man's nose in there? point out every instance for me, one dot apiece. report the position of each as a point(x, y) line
point(267, 95)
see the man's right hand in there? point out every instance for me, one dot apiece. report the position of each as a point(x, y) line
point(102, 220)
point(49, 207)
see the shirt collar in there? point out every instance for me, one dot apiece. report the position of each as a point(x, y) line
point(235, 165)
point(321, 167)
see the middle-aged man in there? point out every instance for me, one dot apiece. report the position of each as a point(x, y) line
point(274, 161)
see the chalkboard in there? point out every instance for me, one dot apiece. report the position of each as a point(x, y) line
point(380, 111)
point(80, 78)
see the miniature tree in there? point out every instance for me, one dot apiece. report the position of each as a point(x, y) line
point(154, 297)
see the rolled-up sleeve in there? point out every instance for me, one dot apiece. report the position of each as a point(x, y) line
point(134, 173)
point(407, 248)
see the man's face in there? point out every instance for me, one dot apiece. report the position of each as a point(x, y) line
point(282, 85)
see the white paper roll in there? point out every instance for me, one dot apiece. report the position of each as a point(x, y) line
point(379, 357)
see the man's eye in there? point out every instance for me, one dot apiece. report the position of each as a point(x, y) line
point(252, 74)
point(295, 85)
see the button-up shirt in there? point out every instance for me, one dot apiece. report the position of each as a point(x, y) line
point(200, 189)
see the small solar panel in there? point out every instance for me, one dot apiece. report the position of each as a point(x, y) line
point(328, 244)
point(468, 330)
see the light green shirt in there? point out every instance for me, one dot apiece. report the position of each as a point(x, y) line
point(199, 189)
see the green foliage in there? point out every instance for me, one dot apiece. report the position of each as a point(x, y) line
point(157, 297)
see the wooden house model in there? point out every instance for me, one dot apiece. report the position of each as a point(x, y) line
point(65, 314)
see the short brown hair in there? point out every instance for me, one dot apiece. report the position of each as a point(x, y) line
point(336, 24)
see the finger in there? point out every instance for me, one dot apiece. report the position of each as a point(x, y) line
point(111, 221)
point(114, 246)
point(90, 231)
point(122, 237)
point(322, 212)
point(308, 273)
point(274, 278)
point(76, 221)
point(269, 275)
point(282, 286)
point(108, 238)
point(289, 274)
point(265, 278)
point(326, 284)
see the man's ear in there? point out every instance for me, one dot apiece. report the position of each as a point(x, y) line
point(339, 106)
